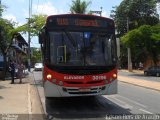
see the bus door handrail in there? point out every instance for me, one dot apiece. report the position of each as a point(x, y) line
point(65, 53)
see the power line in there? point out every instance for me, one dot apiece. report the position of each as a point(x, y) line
point(37, 7)
point(42, 7)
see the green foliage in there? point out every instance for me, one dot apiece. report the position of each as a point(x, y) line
point(2, 8)
point(23, 29)
point(36, 55)
point(79, 7)
point(36, 23)
point(137, 12)
point(6, 34)
point(144, 42)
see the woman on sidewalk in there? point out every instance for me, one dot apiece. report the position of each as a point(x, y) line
point(20, 71)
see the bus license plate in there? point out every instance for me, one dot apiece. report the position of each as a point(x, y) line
point(84, 90)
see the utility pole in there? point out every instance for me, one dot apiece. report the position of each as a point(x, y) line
point(0, 8)
point(29, 38)
point(98, 12)
point(129, 51)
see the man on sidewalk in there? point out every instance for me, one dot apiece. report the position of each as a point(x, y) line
point(12, 70)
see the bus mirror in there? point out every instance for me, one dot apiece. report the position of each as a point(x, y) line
point(40, 38)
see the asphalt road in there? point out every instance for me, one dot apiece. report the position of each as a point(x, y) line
point(129, 100)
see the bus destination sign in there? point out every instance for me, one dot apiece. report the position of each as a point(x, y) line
point(77, 22)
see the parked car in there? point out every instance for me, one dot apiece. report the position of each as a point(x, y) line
point(38, 66)
point(154, 70)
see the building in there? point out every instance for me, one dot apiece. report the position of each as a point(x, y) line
point(19, 48)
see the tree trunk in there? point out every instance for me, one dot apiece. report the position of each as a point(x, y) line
point(5, 66)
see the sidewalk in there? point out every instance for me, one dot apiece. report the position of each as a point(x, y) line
point(20, 101)
point(14, 98)
point(139, 82)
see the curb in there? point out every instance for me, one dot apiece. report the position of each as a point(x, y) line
point(43, 111)
point(36, 114)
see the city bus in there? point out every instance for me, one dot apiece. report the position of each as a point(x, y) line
point(79, 55)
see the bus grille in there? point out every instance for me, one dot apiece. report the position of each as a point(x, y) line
point(93, 90)
point(89, 82)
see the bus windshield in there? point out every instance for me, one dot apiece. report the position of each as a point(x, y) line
point(82, 48)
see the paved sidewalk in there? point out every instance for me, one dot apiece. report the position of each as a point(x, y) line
point(20, 101)
point(14, 98)
point(139, 82)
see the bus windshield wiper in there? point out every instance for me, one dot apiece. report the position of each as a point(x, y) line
point(71, 39)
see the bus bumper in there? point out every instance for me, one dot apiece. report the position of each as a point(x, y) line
point(52, 90)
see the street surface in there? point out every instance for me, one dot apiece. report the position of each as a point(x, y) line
point(130, 100)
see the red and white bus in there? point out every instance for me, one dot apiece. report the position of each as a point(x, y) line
point(79, 55)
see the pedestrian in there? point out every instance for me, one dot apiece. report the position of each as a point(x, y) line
point(20, 71)
point(140, 66)
point(12, 70)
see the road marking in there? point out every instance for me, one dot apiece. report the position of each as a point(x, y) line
point(120, 102)
point(133, 101)
point(145, 111)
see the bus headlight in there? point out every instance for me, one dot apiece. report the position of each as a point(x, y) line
point(114, 75)
point(49, 76)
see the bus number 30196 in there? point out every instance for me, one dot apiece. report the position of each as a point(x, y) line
point(99, 77)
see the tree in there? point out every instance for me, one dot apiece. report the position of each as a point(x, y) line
point(144, 42)
point(36, 55)
point(6, 37)
point(79, 7)
point(34, 24)
point(2, 7)
point(136, 13)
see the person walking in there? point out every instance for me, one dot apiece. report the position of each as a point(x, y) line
point(20, 71)
point(12, 70)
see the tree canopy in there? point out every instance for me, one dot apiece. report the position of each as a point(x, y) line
point(135, 13)
point(79, 6)
point(144, 42)
point(2, 8)
point(34, 24)
point(6, 34)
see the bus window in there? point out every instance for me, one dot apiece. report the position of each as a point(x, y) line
point(81, 49)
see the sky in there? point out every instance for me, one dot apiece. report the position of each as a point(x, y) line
point(18, 10)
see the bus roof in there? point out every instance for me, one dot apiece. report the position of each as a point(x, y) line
point(79, 15)
point(79, 22)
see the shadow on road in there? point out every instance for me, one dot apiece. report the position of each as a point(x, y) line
point(82, 107)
